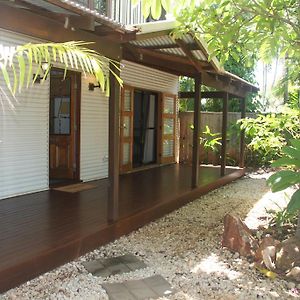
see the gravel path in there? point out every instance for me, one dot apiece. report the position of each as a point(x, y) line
point(184, 247)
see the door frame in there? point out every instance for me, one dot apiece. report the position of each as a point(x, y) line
point(159, 159)
point(75, 124)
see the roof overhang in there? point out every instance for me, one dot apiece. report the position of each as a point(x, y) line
point(76, 16)
point(188, 55)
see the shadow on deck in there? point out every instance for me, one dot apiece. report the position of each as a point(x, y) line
point(43, 230)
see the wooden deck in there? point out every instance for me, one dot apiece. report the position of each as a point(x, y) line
point(43, 230)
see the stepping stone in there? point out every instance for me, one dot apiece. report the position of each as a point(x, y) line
point(152, 287)
point(105, 267)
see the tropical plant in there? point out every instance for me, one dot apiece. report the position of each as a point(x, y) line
point(209, 140)
point(26, 62)
point(289, 177)
point(267, 134)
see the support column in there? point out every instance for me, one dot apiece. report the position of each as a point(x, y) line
point(196, 132)
point(224, 133)
point(242, 140)
point(113, 168)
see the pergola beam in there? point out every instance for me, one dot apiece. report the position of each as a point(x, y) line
point(189, 55)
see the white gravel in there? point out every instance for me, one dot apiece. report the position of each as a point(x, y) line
point(184, 247)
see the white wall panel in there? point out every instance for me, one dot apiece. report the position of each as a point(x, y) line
point(94, 133)
point(23, 133)
point(147, 78)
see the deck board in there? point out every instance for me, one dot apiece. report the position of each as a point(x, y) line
point(42, 230)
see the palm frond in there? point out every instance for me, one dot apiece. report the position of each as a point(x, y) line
point(26, 60)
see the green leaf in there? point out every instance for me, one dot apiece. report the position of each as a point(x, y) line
point(294, 204)
point(295, 144)
point(290, 151)
point(283, 179)
point(5, 75)
point(22, 69)
point(285, 161)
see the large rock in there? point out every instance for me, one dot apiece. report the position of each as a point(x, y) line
point(294, 274)
point(238, 237)
point(288, 254)
point(266, 252)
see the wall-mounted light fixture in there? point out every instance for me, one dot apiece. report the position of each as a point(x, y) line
point(92, 86)
point(45, 66)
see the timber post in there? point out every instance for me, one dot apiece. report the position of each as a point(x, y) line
point(224, 133)
point(113, 168)
point(196, 132)
point(242, 139)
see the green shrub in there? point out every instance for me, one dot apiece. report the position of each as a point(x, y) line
point(268, 134)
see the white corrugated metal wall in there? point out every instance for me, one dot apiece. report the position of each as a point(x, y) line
point(24, 138)
point(142, 77)
point(23, 134)
point(94, 133)
point(147, 78)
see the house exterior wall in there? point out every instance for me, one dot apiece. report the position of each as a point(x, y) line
point(23, 134)
point(94, 132)
point(24, 126)
point(142, 77)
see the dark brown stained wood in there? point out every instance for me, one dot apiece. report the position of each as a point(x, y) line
point(204, 95)
point(50, 30)
point(162, 65)
point(224, 133)
point(180, 66)
point(196, 132)
point(64, 149)
point(126, 136)
point(113, 146)
point(190, 55)
point(150, 35)
point(242, 141)
point(43, 230)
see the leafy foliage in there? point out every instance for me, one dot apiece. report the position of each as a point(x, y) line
point(210, 140)
point(244, 30)
point(215, 105)
point(26, 62)
point(286, 178)
point(268, 134)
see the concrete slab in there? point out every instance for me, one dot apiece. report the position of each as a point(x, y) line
point(152, 287)
point(105, 267)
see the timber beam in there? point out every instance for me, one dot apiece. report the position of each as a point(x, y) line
point(49, 29)
point(196, 132)
point(205, 95)
point(190, 55)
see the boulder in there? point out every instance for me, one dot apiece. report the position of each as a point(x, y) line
point(266, 252)
point(294, 274)
point(237, 236)
point(288, 254)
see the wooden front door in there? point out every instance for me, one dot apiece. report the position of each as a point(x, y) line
point(168, 128)
point(64, 125)
point(126, 128)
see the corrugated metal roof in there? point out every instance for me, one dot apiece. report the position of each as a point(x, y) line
point(189, 45)
point(155, 41)
point(174, 51)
